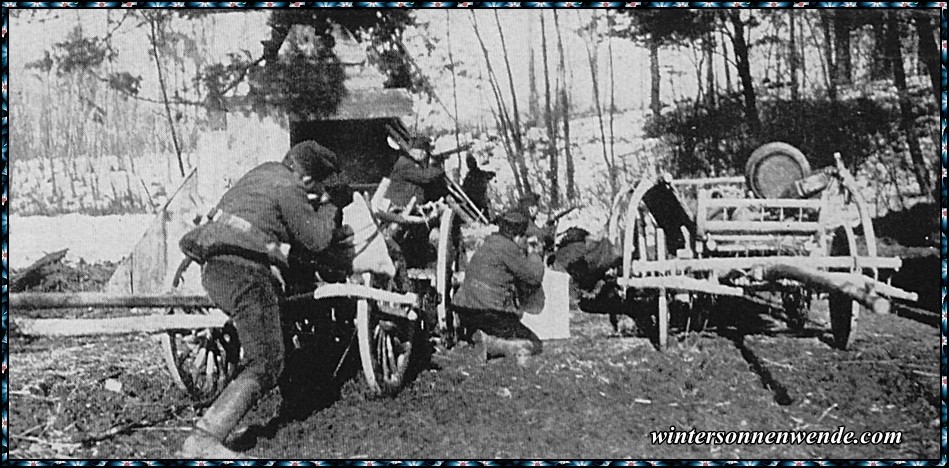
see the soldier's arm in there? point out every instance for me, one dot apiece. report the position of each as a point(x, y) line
point(311, 228)
point(528, 270)
point(422, 175)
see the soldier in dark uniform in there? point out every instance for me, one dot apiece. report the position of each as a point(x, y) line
point(412, 176)
point(239, 249)
point(498, 273)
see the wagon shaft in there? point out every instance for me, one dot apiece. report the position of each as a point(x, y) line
point(119, 326)
point(853, 285)
point(32, 301)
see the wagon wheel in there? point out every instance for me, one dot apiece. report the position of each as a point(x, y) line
point(202, 362)
point(663, 300)
point(844, 311)
point(446, 266)
point(387, 345)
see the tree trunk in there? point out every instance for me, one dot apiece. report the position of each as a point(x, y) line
point(744, 72)
point(153, 37)
point(654, 99)
point(879, 62)
point(727, 66)
point(831, 75)
point(503, 123)
point(613, 105)
point(565, 114)
point(708, 46)
point(929, 51)
point(454, 93)
point(792, 59)
point(549, 120)
point(843, 62)
point(533, 99)
point(516, 124)
point(907, 119)
point(591, 57)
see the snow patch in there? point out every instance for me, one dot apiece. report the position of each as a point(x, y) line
point(90, 238)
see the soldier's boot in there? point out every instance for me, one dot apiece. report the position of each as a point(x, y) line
point(495, 347)
point(207, 440)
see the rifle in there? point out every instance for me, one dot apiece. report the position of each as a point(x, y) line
point(464, 202)
point(554, 219)
point(450, 152)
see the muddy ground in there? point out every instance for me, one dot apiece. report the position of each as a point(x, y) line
point(595, 395)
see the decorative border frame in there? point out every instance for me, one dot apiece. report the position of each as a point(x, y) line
point(4, 217)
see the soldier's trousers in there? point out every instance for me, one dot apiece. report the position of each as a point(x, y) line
point(504, 325)
point(250, 294)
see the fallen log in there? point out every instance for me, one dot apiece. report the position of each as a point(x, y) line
point(853, 285)
point(34, 274)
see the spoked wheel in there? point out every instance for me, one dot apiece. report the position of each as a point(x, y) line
point(386, 345)
point(202, 362)
point(662, 313)
point(844, 311)
point(446, 266)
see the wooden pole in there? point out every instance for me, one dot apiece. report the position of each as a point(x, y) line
point(32, 301)
point(119, 326)
point(852, 285)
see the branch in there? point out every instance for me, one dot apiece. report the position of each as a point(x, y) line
point(128, 94)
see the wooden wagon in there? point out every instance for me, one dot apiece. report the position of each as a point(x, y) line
point(780, 232)
point(375, 315)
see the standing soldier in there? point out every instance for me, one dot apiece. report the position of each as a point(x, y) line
point(413, 176)
point(498, 273)
point(239, 250)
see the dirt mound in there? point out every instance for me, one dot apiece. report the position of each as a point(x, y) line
point(68, 276)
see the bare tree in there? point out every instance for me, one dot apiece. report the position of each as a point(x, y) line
point(792, 58)
point(831, 77)
point(156, 25)
point(591, 44)
point(744, 71)
point(549, 120)
point(454, 91)
point(928, 49)
point(611, 22)
point(564, 105)
point(907, 120)
point(516, 124)
point(510, 135)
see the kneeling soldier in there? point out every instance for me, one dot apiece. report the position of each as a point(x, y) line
point(499, 272)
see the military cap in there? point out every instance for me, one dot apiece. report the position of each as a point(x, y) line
point(312, 159)
point(513, 222)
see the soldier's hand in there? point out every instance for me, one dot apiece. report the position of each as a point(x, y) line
point(343, 235)
point(340, 195)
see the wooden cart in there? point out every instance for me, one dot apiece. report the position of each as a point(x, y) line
point(724, 242)
point(369, 314)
